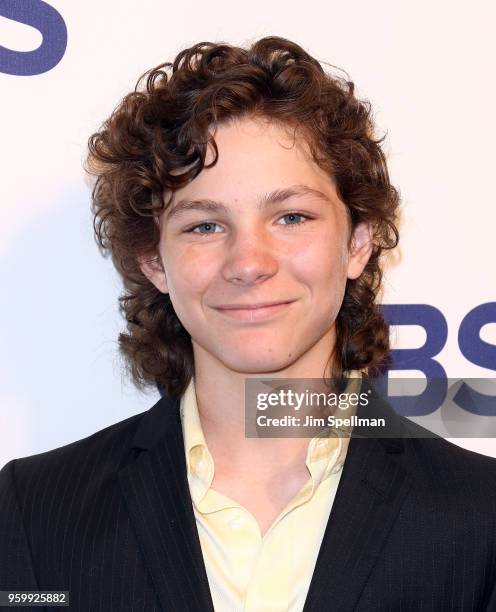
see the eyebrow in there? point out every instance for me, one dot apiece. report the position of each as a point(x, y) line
point(274, 197)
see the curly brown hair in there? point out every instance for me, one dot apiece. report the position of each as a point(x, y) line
point(156, 141)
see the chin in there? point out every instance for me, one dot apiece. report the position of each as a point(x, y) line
point(257, 363)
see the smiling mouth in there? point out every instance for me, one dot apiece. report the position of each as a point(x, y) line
point(255, 312)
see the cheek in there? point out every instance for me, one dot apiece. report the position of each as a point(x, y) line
point(188, 274)
point(322, 263)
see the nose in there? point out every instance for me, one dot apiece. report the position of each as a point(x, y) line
point(250, 258)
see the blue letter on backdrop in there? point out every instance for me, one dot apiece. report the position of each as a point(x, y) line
point(480, 353)
point(422, 359)
point(49, 22)
point(472, 346)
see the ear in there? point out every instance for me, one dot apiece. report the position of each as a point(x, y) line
point(153, 269)
point(360, 249)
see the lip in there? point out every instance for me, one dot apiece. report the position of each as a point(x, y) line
point(253, 312)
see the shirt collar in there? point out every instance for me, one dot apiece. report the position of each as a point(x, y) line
point(199, 461)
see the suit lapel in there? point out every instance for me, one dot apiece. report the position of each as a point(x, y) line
point(156, 491)
point(372, 488)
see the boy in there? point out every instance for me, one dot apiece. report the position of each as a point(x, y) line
point(246, 204)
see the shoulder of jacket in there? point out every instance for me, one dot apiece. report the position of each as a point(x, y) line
point(105, 447)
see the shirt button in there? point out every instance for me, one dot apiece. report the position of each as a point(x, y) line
point(236, 522)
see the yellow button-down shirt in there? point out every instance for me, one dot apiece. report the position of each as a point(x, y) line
point(248, 572)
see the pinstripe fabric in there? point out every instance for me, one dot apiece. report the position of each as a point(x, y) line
point(109, 518)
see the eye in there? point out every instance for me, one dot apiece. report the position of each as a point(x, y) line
point(207, 224)
point(294, 215)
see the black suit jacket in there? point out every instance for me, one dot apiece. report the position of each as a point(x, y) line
point(110, 519)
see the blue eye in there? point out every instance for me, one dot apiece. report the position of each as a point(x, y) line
point(293, 215)
point(206, 224)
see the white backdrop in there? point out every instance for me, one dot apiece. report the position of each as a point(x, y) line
point(428, 69)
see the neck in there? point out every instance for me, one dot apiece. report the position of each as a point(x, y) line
point(220, 394)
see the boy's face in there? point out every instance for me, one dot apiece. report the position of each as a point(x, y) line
point(292, 249)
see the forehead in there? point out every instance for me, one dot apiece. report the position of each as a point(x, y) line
point(255, 156)
point(252, 142)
